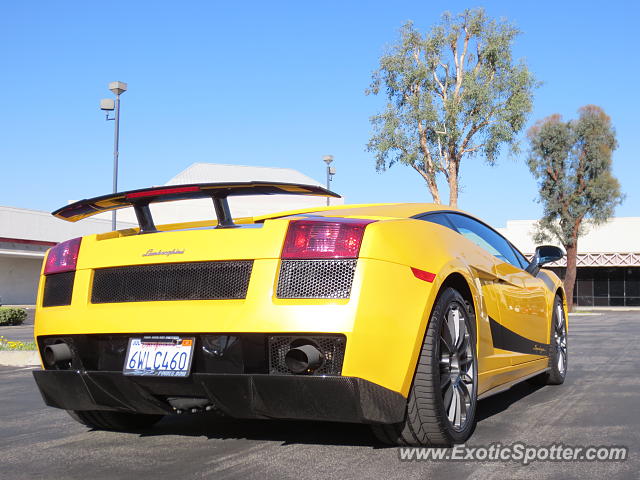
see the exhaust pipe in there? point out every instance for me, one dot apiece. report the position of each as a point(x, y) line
point(188, 405)
point(57, 353)
point(305, 358)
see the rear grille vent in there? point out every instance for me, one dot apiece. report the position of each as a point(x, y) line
point(316, 278)
point(172, 281)
point(58, 288)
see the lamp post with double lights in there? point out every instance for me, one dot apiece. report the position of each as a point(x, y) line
point(109, 105)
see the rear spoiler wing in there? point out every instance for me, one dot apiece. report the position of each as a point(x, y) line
point(218, 192)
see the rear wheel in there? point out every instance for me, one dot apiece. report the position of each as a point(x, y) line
point(108, 420)
point(441, 408)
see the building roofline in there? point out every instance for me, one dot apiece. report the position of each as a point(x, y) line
point(25, 241)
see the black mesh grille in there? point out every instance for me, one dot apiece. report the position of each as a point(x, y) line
point(58, 289)
point(331, 346)
point(316, 278)
point(172, 281)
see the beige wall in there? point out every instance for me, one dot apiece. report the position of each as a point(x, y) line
point(19, 280)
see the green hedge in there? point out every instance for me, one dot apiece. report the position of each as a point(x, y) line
point(12, 316)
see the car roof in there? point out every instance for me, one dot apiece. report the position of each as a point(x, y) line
point(371, 210)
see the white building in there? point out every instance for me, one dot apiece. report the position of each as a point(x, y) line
point(608, 260)
point(202, 209)
point(25, 235)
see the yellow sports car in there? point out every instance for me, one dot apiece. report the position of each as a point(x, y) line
point(400, 316)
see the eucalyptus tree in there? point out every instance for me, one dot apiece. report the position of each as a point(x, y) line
point(572, 163)
point(452, 93)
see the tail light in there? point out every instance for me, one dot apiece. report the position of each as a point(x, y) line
point(63, 257)
point(315, 238)
point(162, 191)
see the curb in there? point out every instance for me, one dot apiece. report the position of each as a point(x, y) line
point(24, 358)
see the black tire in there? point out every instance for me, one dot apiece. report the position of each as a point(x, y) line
point(426, 421)
point(558, 362)
point(118, 421)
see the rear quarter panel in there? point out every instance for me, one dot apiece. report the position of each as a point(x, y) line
point(555, 287)
point(436, 249)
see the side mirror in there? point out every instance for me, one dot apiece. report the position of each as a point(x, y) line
point(544, 254)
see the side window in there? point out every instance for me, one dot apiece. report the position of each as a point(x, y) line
point(439, 218)
point(521, 258)
point(485, 238)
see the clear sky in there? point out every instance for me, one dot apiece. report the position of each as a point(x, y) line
point(275, 84)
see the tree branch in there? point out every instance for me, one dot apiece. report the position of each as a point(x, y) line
point(580, 173)
point(424, 147)
point(442, 89)
point(460, 63)
point(474, 148)
point(431, 183)
point(445, 66)
point(476, 68)
point(472, 131)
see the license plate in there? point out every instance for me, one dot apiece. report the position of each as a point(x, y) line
point(162, 356)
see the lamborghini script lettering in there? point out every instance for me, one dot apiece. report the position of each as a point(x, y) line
point(152, 253)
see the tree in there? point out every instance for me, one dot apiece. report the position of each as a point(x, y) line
point(572, 163)
point(453, 93)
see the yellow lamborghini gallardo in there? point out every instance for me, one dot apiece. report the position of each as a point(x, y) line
point(400, 316)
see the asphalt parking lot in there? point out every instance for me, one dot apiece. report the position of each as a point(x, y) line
point(21, 333)
point(597, 405)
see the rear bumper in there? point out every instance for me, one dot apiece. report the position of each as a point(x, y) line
point(383, 321)
point(329, 398)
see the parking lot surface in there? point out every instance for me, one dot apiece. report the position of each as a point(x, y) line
point(597, 405)
point(20, 333)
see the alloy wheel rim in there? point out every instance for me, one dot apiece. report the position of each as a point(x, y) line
point(456, 368)
point(560, 337)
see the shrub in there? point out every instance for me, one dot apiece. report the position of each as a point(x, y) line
point(12, 316)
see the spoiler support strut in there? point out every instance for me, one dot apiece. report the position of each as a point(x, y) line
point(145, 219)
point(225, 220)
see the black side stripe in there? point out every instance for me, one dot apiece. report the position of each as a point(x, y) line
point(505, 339)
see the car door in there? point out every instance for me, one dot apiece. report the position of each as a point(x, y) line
point(520, 328)
point(536, 308)
point(484, 265)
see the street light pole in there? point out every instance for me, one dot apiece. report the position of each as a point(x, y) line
point(331, 171)
point(116, 141)
point(108, 105)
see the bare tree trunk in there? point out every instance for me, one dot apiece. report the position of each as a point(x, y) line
point(429, 172)
point(570, 275)
point(453, 181)
point(453, 191)
point(433, 188)
point(430, 180)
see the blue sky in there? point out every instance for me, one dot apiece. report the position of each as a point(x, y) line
point(274, 84)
